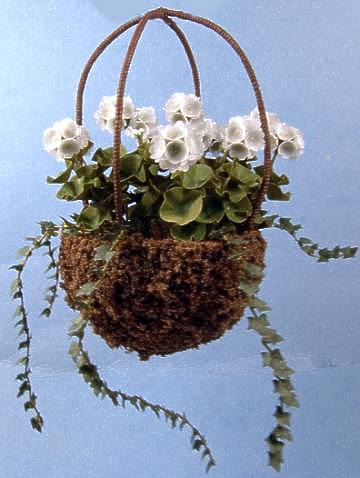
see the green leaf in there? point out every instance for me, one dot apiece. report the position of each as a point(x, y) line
point(190, 231)
point(241, 173)
point(238, 212)
point(237, 193)
point(197, 176)
point(212, 210)
point(72, 190)
point(131, 165)
point(29, 405)
point(275, 460)
point(24, 251)
point(276, 194)
point(74, 350)
point(24, 387)
point(282, 180)
point(283, 418)
point(283, 433)
point(61, 178)
point(197, 444)
point(37, 423)
point(149, 198)
point(77, 326)
point(104, 157)
point(14, 286)
point(46, 312)
point(349, 252)
point(93, 216)
point(210, 464)
point(86, 289)
point(103, 252)
point(181, 206)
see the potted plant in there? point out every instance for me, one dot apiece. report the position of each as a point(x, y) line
point(166, 251)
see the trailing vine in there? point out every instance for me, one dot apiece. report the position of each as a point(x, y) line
point(100, 388)
point(48, 230)
point(321, 254)
point(283, 387)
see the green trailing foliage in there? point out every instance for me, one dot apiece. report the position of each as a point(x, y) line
point(272, 357)
point(307, 245)
point(91, 376)
point(43, 240)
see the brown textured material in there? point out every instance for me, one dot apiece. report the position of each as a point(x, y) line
point(140, 22)
point(160, 296)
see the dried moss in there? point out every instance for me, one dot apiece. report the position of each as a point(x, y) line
point(160, 295)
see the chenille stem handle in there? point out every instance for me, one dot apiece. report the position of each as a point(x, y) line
point(140, 22)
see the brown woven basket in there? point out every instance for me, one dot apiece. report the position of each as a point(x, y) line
point(160, 295)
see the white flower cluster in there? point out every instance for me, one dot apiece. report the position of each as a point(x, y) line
point(187, 136)
point(244, 137)
point(182, 142)
point(138, 122)
point(65, 139)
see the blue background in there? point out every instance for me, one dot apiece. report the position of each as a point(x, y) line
point(307, 57)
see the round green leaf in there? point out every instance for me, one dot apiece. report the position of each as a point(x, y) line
point(149, 198)
point(238, 212)
point(197, 176)
point(212, 210)
point(130, 166)
point(237, 193)
point(181, 206)
point(240, 173)
point(194, 230)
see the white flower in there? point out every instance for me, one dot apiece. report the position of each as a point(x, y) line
point(272, 118)
point(68, 148)
point(240, 151)
point(176, 147)
point(143, 123)
point(105, 116)
point(254, 137)
point(286, 132)
point(241, 138)
point(181, 107)
point(273, 123)
point(66, 128)
point(209, 131)
point(51, 140)
point(174, 131)
point(291, 141)
point(286, 138)
point(191, 107)
point(65, 139)
point(235, 130)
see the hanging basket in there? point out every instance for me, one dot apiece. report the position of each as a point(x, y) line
point(160, 295)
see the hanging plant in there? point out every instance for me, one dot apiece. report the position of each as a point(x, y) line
point(166, 251)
